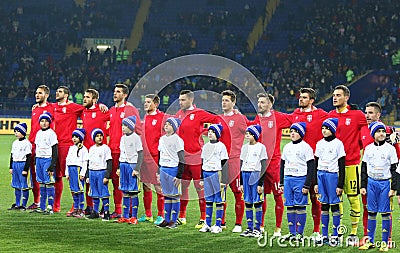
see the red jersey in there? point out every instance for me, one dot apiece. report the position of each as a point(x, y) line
point(153, 130)
point(237, 124)
point(348, 131)
point(192, 126)
point(35, 126)
point(313, 120)
point(367, 139)
point(117, 114)
point(94, 118)
point(271, 132)
point(65, 121)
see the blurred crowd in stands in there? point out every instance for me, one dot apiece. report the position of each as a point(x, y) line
point(339, 41)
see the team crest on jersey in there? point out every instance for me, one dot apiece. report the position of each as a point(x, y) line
point(191, 117)
point(270, 124)
point(64, 109)
point(122, 115)
point(93, 115)
point(231, 123)
point(309, 118)
point(348, 121)
point(154, 122)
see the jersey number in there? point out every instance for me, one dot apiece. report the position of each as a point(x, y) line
point(353, 184)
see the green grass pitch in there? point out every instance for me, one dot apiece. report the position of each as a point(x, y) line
point(24, 231)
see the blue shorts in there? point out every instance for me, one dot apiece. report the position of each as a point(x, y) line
point(42, 176)
point(75, 184)
point(250, 184)
point(377, 196)
point(18, 181)
point(213, 192)
point(127, 182)
point(97, 188)
point(327, 184)
point(167, 175)
point(292, 191)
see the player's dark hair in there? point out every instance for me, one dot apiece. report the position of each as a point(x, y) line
point(309, 91)
point(266, 95)
point(188, 93)
point(122, 86)
point(376, 106)
point(154, 97)
point(344, 88)
point(95, 93)
point(230, 94)
point(65, 89)
point(44, 88)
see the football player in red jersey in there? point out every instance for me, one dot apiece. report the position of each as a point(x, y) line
point(153, 129)
point(272, 123)
point(313, 117)
point(193, 120)
point(118, 112)
point(41, 96)
point(348, 131)
point(373, 112)
point(66, 114)
point(237, 125)
point(92, 117)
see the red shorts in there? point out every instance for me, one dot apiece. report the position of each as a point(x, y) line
point(234, 174)
point(192, 172)
point(115, 166)
point(61, 163)
point(272, 178)
point(149, 170)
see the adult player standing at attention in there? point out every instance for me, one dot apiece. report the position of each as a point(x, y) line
point(193, 120)
point(41, 96)
point(272, 123)
point(237, 124)
point(66, 114)
point(92, 117)
point(153, 125)
point(348, 131)
point(373, 112)
point(313, 117)
point(118, 112)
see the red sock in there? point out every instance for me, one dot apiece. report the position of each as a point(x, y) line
point(89, 200)
point(264, 210)
point(160, 204)
point(35, 184)
point(117, 196)
point(36, 191)
point(365, 214)
point(278, 210)
point(202, 205)
point(223, 214)
point(239, 207)
point(316, 212)
point(147, 199)
point(58, 187)
point(182, 211)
